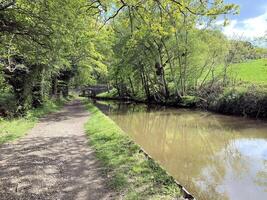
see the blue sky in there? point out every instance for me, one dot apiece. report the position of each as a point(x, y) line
point(249, 8)
point(252, 20)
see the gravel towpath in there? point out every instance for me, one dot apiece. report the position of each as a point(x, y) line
point(54, 161)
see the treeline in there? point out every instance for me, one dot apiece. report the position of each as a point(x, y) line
point(247, 51)
point(45, 46)
point(146, 49)
point(165, 52)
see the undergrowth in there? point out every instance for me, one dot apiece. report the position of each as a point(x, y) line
point(11, 129)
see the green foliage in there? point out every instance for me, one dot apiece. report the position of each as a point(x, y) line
point(42, 41)
point(15, 128)
point(131, 172)
point(189, 101)
point(48, 107)
point(111, 94)
point(244, 51)
point(159, 52)
point(149, 50)
point(245, 100)
point(7, 102)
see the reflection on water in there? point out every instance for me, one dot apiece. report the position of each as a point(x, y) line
point(213, 156)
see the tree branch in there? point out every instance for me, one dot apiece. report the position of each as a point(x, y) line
point(6, 4)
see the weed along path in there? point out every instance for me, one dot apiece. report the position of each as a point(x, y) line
point(53, 161)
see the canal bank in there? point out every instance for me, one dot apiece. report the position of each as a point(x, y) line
point(132, 172)
point(247, 101)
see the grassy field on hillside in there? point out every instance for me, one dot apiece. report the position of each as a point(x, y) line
point(253, 71)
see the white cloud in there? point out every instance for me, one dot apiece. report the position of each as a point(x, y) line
point(248, 29)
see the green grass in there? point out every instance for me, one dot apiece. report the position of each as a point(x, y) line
point(249, 72)
point(110, 94)
point(253, 71)
point(13, 129)
point(18, 127)
point(131, 173)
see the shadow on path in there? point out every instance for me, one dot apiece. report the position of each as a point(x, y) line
point(53, 161)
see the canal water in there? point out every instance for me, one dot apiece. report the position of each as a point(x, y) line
point(215, 157)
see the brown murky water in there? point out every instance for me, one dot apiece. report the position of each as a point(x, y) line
point(215, 157)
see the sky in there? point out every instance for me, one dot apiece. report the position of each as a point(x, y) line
point(251, 22)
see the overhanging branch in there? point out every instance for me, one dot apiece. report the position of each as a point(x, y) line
point(6, 4)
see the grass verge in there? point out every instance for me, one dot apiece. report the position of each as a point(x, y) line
point(18, 127)
point(131, 172)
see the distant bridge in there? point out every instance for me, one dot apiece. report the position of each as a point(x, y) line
point(92, 91)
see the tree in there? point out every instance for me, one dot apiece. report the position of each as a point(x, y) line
point(44, 44)
point(160, 46)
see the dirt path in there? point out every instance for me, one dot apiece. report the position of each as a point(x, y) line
point(53, 161)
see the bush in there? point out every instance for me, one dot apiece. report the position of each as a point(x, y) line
point(248, 101)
